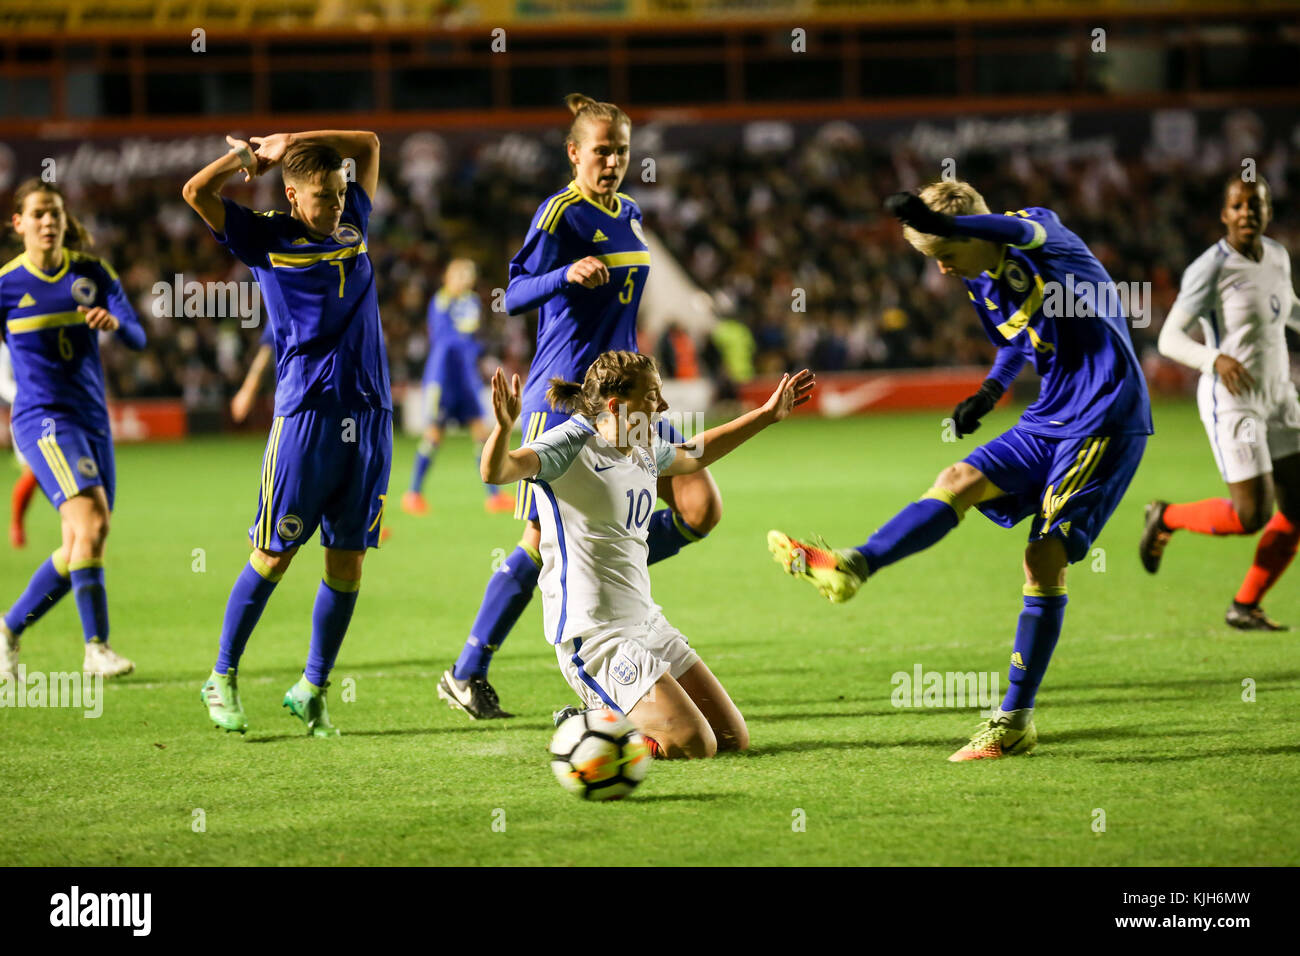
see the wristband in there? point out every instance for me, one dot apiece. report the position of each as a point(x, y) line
point(245, 156)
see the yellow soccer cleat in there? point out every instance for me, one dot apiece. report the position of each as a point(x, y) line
point(997, 738)
point(835, 574)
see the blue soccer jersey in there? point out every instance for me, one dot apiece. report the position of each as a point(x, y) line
point(452, 324)
point(577, 324)
point(55, 354)
point(322, 303)
point(1051, 302)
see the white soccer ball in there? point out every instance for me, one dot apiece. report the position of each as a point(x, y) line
point(599, 755)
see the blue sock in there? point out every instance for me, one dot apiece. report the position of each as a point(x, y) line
point(667, 534)
point(92, 601)
point(247, 600)
point(335, 601)
point(424, 456)
point(44, 590)
point(508, 592)
point(1037, 632)
point(913, 529)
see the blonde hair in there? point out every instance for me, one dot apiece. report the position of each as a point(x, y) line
point(612, 374)
point(951, 199)
point(587, 110)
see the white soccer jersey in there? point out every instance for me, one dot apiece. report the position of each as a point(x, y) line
point(594, 508)
point(1243, 308)
point(8, 384)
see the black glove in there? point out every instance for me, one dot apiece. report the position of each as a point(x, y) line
point(913, 212)
point(967, 415)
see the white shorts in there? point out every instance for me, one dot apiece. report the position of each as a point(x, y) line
point(617, 667)
point(1249, 432)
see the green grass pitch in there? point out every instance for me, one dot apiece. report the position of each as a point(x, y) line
point(1141, 716)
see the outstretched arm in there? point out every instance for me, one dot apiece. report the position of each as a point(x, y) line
point(499, 465)
point(707, 447)
point(359, 145)
point(1008, 230)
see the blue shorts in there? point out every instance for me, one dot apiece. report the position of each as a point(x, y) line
point(328, 469)
point(541, 419)
point(66, 456)
point(452, 385)
point(1070, 486)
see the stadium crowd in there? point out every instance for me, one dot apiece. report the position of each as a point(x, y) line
point(790, 241)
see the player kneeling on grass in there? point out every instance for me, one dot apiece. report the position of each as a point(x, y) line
point(1065, 465)
point(597, 475)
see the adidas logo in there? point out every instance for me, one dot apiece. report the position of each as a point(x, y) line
point(599, 237)
point(990, 304)
point(26, 300)
point(1018, 661)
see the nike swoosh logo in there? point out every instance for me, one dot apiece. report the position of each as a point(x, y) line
point(600, 468)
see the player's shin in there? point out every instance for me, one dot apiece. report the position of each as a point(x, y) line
point(915, 528)
point(91, 597)
point(253, 588)
point(1276, 549)
point(46, 587)
point(425, 453)
point(1037, 632)
point(508, 592)
point(335, 601)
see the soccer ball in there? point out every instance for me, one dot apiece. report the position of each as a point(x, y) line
point(599, 755)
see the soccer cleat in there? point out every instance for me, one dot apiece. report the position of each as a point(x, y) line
point(836, 575)
point(220, 692)
point(1154, 536)
point(997, 738)
point(8, 653)
point(413, 503)
point(307, 703)
point(499, 503)
point(104, 661)
point(565, 712)
point(474, 696)
point(1251, 617)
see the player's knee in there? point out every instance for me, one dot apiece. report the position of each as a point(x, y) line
point(698, 501)
point(277, 561)
point(686, 739)
point(1254, 516)
point(959, 478)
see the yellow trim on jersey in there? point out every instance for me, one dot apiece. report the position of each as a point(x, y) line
point(554, 211)
point(263, 537)
point(77, 256)
point(626, 197)
point(613, 214)
point(300, 260)
point(33, 323)
point(34, 270)
point(375, 524)
point(1080, 473)
point(58, 464)
point(1040, 236)
point(1046, 590)
point(524, 491)
point(15, 263)
point(622, 260)
point(1013, 326)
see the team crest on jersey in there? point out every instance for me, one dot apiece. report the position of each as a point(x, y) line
point(347, 234)
point(624, 670)
point(83, 290)
point(636, 231)
point(1016, 277)
point(289, 527)
point(87, 467)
